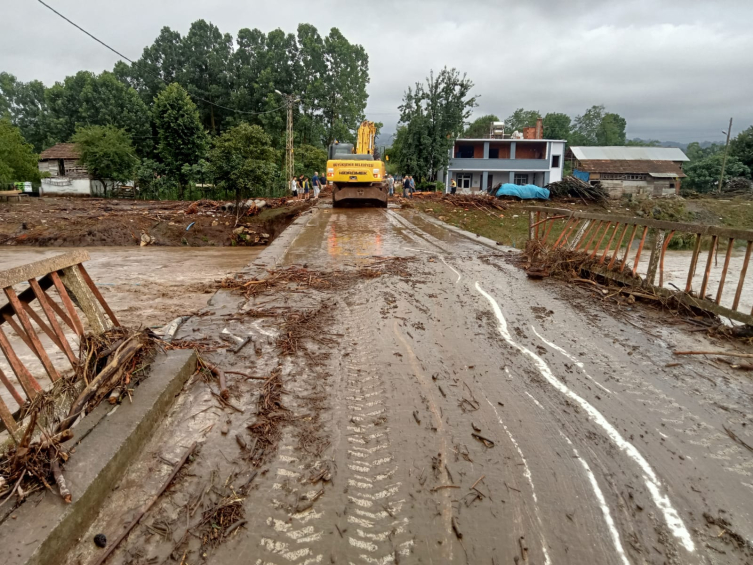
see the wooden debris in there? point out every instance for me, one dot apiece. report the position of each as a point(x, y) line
point(146, 507)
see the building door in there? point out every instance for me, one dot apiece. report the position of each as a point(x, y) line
point(464, 180)
point(490, 182)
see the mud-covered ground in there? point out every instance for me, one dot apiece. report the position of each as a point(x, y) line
point(86, 222)
point(440, 408)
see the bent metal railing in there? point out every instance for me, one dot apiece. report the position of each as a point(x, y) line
point(73, 285)
point(589, 234)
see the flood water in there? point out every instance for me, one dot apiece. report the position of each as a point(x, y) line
point(144, 286)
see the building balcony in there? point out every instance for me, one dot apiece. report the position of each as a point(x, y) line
point(499, 164)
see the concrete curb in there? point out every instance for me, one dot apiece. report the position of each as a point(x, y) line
point(43, 532)
point(477, 238)
point(272, 255)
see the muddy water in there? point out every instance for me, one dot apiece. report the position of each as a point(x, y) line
point(146, 286)
point(677, 265)
point(467, 415)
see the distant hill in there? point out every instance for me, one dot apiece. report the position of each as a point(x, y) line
point(683, 146)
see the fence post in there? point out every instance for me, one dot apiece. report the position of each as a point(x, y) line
point(579, 235)
point(653, 261)
point(84, 297)
point(531, 222)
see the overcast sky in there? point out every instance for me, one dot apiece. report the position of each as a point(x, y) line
point(675, 69)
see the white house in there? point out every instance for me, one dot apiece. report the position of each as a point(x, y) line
point(485, 163)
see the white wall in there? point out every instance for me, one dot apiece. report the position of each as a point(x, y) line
point(558, 148)
point(61, 186)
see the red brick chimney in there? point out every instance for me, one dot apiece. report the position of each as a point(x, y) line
point(539, 128)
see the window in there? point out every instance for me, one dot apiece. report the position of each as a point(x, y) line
point(555, 161)
point(621, 176)
point(494, 153)
point(521, 178)
point(464, 152)
point(464, 180)
point(671, 185)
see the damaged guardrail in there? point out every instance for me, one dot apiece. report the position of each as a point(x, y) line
point(74, 287)
point(592, 235)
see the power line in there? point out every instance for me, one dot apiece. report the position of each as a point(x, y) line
point(119, 54)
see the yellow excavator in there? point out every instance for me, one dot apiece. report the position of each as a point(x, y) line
point(356, 177)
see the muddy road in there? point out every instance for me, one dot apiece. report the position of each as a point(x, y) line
point(412, 398)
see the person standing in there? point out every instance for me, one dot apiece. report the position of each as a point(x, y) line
point(316, 184)
point(305, 187)
point(391, 185)
point(453, 187)
point(294, 188)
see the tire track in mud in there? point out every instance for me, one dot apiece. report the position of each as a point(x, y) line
point(376, 530)
point(655, 488)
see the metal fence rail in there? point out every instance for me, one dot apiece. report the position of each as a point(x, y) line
point(74, 287)
point(586, 233)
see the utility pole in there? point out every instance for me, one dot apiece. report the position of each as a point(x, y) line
point(289, 158)
point(724, 161)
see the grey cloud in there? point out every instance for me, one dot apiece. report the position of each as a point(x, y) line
point(674, 69)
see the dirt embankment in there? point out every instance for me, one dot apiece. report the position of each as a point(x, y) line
point(70, 222)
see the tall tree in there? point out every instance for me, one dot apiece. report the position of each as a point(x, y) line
point(18, 161)
point(346, 77)
point(159, 65)
point(520, 119)
point(107, 154)
point(180, 135)
point(742, 147)
point(206, 54)
point(480, 127)
point(611, 130)
point(24, 103)
point(86, 99)
point(557, 126)
point(242, 159)
point(433, 114)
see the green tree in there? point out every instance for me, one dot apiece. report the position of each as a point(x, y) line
point(557, 126)
point(86, 99)
point(181, 139)
point(520, 119)
point(243, 160)
point(310, 159)
point(480, 127)
point(24, 103)
point(432, 114)
point(107, 154)
point(611, 130)
point(18, 162)
point(206, 54)
point(346, 78)
point(586, 126)
point(742, 147)
point(703, 174)
point(695, 152)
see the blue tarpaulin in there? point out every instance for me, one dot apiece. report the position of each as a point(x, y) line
point(582, 175)
point(525, 191)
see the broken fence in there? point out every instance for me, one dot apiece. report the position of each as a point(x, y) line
point(74, 287)
point(585, 233)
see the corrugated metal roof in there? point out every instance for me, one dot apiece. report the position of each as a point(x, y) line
point(665, 175)
point(619, 153)
point(630, 166)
